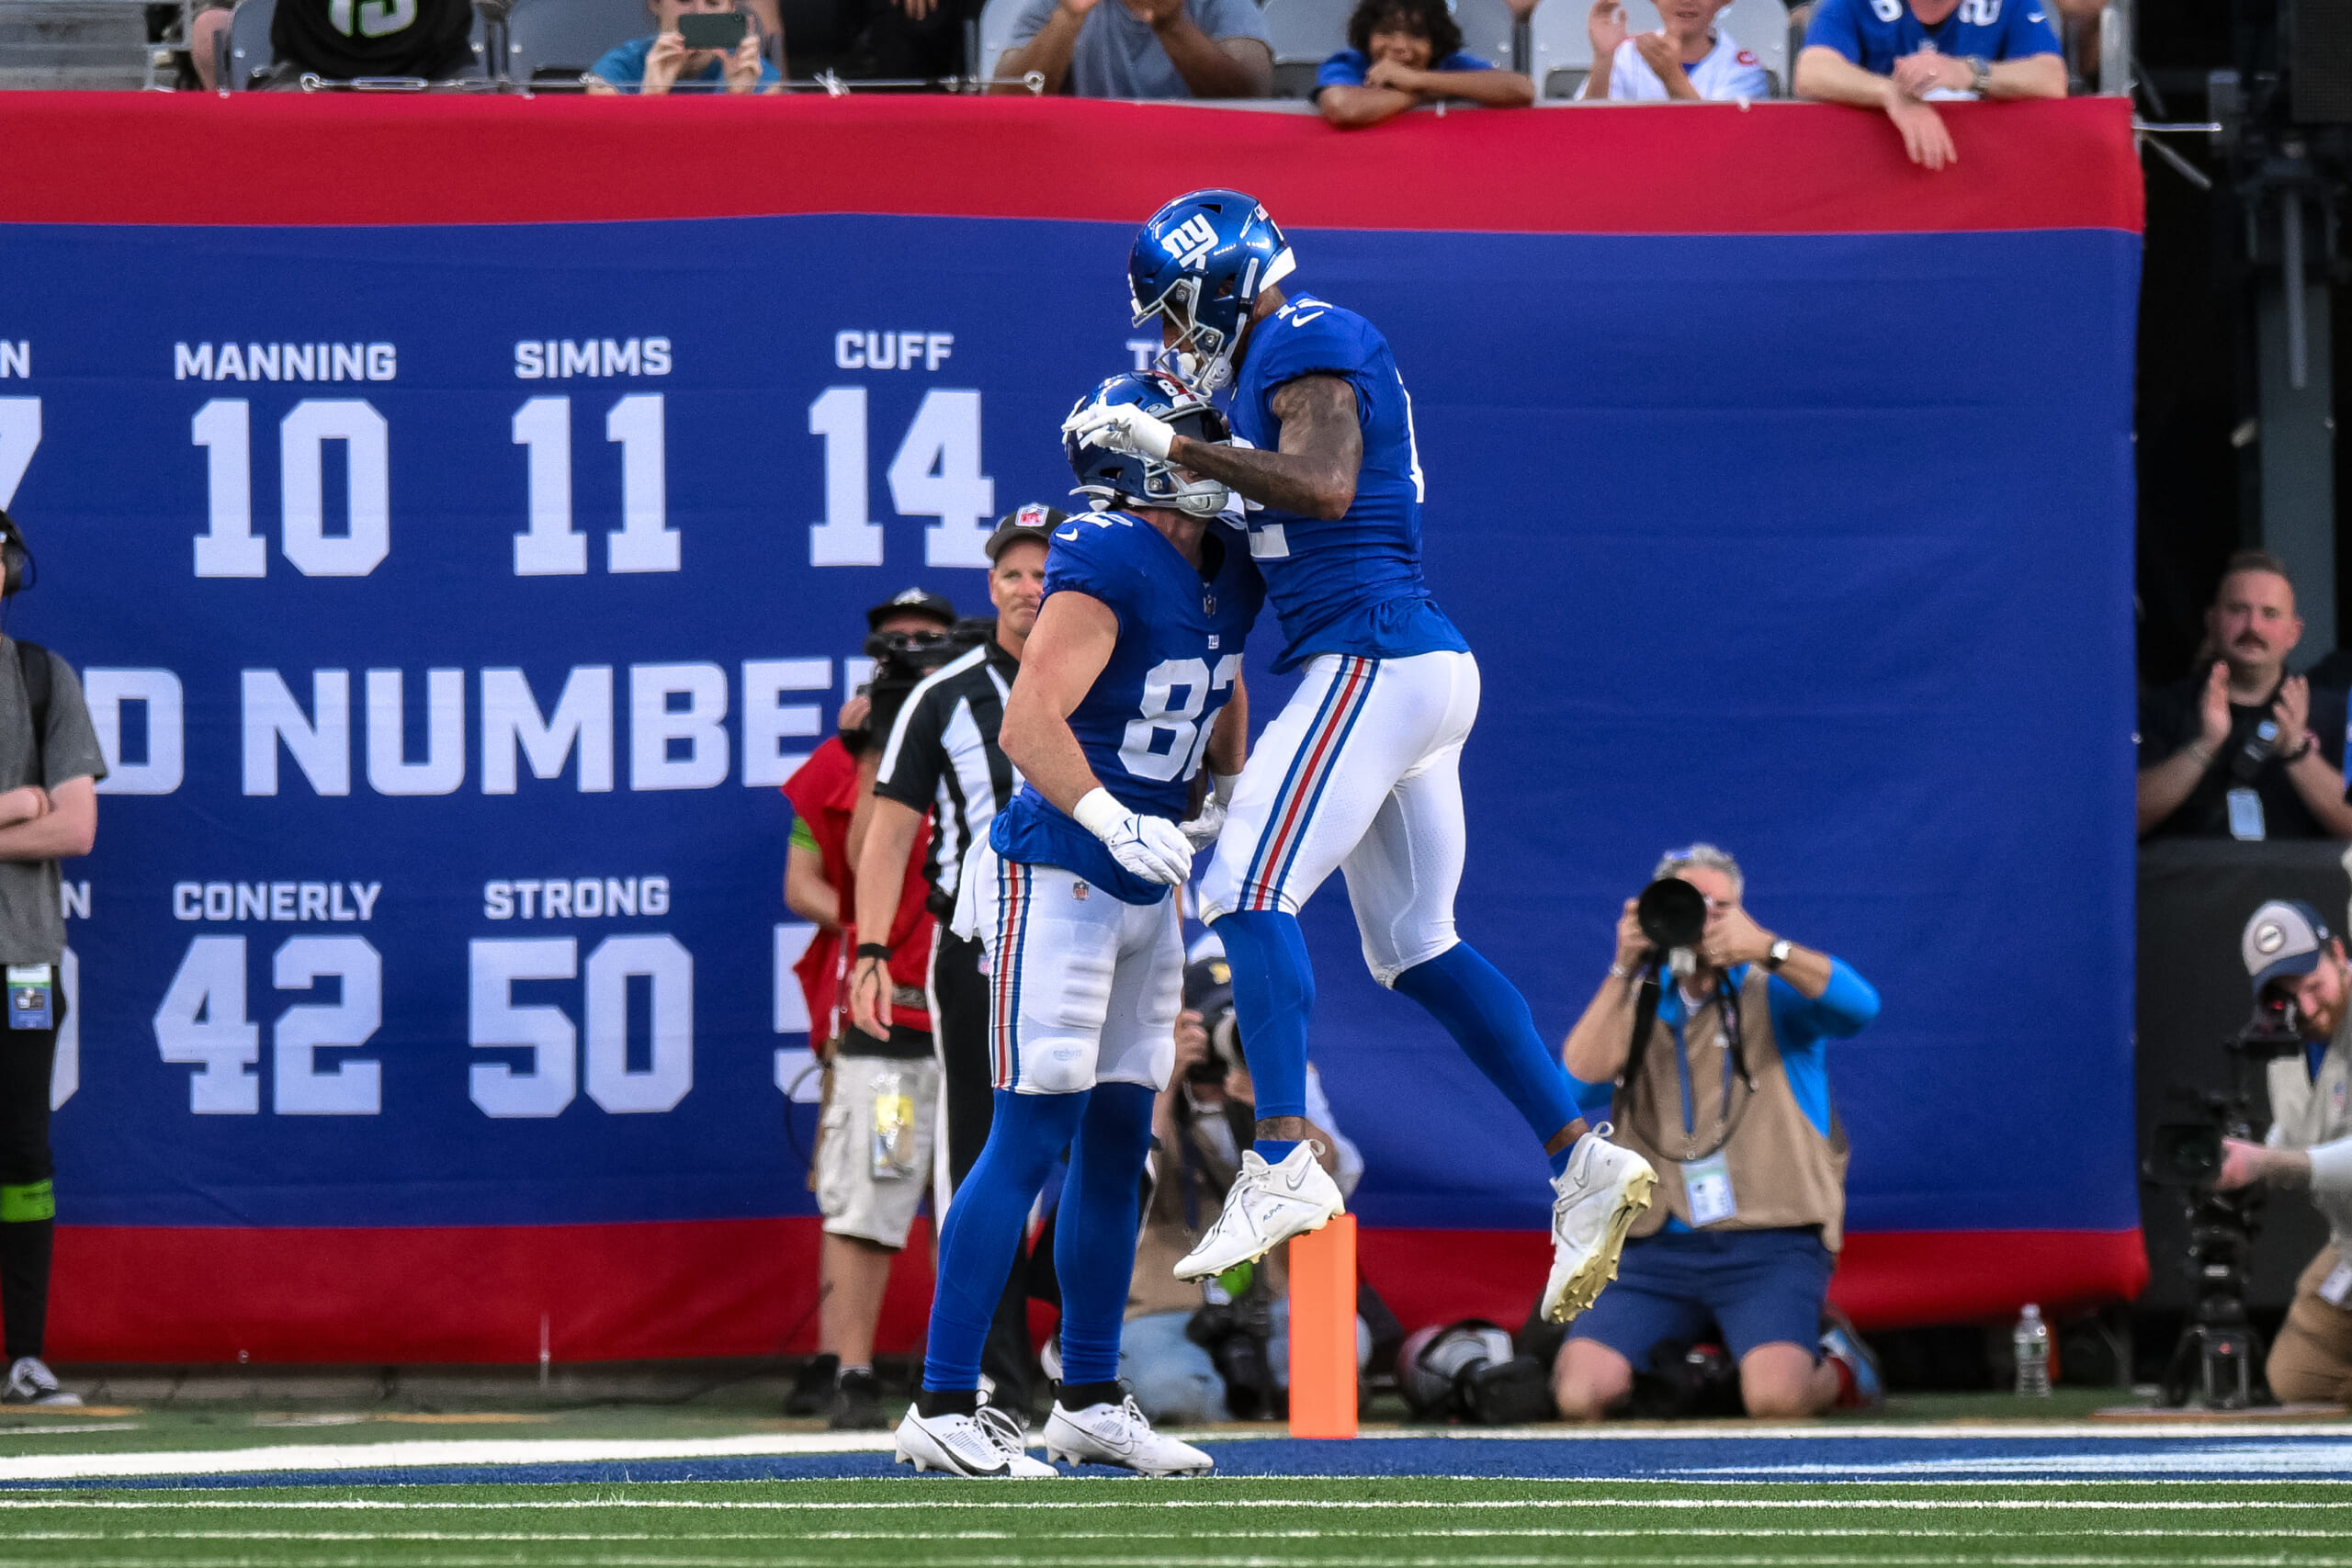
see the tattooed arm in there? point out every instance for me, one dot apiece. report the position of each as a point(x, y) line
point(1313, 473)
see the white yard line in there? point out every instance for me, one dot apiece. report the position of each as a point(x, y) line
point(1157, 1498)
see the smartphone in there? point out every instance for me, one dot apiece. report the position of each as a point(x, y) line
point(713, 30)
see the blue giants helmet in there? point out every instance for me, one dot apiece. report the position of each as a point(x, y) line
point(1200, 262)
point(1109, 479)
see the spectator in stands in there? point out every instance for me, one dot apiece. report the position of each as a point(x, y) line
point(868, 1202)
point(2292, 957)
point(1688, 59)
point(1141, 49)
point(333, 40)
point(1728, 1098)
point(2206, 770)
point(1219, 1348)
point(1895, 55)
point(1404, 53)
point(662, 63)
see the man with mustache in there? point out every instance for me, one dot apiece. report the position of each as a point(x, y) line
point(2239, 749)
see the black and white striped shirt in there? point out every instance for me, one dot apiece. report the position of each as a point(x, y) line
point(942, 758)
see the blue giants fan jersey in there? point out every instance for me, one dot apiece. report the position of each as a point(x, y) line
point(1145, 723)
point(1874, 34)
point(1353, 586)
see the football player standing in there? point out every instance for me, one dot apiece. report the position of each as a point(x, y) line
point(1131, 680)
point(1360, 772)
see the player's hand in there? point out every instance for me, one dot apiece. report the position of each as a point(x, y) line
point(662, 62)
point(1201, 829)
point(1122, 428)
point(869, 995)
point(1925, 138)
point(2293, 712)
point(1605, 25)
point(2213, 708)
point(1151, 847)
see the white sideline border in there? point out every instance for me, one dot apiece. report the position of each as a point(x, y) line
point(490, 1452)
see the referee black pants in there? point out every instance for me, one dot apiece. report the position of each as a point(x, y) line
point(27, 1206)
point(959, 1022)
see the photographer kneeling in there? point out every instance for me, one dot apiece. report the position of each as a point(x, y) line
point(1718, 1050)
point(2298, 968)
point(1218, 1350)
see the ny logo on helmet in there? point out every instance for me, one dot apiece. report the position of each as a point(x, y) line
point(1190, 241)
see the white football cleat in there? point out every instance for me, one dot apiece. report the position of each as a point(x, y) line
point(31, 1382)
point(1601, 1194)
point(1118, 1434)
point(990, 1445)
point(1266, 1206)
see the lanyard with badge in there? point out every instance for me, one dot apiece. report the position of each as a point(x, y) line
point(31, 997)
point(1707, 1174)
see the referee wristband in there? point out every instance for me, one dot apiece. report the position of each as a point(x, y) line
point(880, 950)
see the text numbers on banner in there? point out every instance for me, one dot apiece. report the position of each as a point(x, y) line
point(847, 536)
point(497, 1024)
point(299, 1086)
point(645, 541)
point(935, 473)
point(228, 546)
point(19, 434)
point(202, 1022)
point(1139, 754)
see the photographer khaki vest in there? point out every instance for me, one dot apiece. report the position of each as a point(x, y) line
point(1783, 1174)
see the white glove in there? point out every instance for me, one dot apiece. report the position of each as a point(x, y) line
point(1122, 428)
point(1202, 829)
point(1151, 847)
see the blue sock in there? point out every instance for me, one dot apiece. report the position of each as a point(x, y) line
point(1273, 995)
point(1094, 1229)
point(1490, 1020)
point(984, 1224)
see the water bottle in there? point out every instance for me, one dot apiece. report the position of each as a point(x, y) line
point(2032, 1342)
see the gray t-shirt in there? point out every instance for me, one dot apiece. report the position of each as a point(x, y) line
point(32, 919)
point(1117, 56)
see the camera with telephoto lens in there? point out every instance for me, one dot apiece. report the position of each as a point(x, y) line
point(2216, 1359)
point(1208, 990)
point(1233, 1324)
point(1673, 915)
point(901, 660)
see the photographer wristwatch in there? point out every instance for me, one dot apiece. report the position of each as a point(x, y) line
point(1779, 953)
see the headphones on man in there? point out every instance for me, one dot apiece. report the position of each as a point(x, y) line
point(16, 557)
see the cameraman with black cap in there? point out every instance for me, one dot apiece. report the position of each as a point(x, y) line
point(2298, 969)
point(50, 767)
point(942, 762)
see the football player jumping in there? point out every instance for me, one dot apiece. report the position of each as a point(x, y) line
point(1131, 680)
point(1360, 772)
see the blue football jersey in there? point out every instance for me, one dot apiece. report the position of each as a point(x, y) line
point(1143, 724)
point(1874, 34)
point(1354, 585)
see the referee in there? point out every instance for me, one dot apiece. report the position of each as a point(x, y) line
point(942, 759)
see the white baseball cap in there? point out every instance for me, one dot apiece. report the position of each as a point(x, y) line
point(2284, 938)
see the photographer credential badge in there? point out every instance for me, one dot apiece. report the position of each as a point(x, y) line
point(1707, 1183)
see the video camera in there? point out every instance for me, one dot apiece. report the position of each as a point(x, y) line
point(901, 661)
point(2217, 1358)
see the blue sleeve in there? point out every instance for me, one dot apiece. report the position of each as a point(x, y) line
point(2029, 30)
point(1314, 339)
point(1462, 60)
point(1030, 21)
point(1344, 69)
point(1223, 19)
point(1800, 1026)
point(768, 72)
point(623, 66)
point(1838, 24)
point(1092, 564)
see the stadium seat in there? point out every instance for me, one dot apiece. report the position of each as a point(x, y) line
point(1305, 33)
point(996, 32)
point(1487, 27)
point(1761, 27)
point(558, 41)
point(1559, 54)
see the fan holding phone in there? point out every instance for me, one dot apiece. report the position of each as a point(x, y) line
point(704, 46)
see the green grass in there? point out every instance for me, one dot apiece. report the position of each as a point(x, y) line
point(1196, 1524)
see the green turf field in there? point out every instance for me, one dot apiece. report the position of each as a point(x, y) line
point(1195, 1524)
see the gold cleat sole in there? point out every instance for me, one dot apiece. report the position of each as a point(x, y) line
point(1584, 1286)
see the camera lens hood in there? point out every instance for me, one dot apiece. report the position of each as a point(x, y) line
point(1672, 913)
